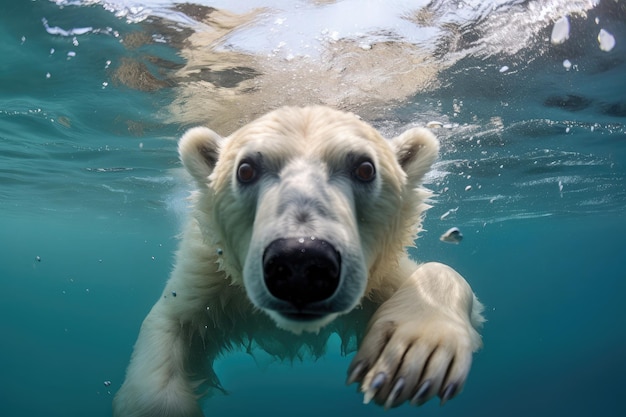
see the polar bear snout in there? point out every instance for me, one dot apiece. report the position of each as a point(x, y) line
point(301, 272)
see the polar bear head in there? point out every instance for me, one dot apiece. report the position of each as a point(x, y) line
point(308, 208)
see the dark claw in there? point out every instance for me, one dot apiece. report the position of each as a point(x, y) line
point(420, 396)
point(378, 380)
point(448, 393)
point(395, 392)
point(356, 373)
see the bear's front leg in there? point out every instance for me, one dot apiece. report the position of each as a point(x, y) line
point(157, 384)
point(419, 343)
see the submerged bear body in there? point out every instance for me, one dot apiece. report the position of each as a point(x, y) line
point(299, 228)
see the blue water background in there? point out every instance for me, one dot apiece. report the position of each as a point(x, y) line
point(90, 206)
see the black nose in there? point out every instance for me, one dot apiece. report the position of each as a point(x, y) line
point(301, 270)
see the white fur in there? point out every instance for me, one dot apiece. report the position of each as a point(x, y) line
point(423, 334)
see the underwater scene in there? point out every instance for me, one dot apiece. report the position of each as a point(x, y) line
point(527, 99)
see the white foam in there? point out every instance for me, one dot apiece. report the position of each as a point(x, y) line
point(55, 30)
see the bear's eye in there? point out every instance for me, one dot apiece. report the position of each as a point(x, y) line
point(246, 172)
point(365, 171)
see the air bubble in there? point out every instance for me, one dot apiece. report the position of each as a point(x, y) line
point(606, 40)
point(560, 31)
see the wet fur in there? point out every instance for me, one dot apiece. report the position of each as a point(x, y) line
point(219, 305)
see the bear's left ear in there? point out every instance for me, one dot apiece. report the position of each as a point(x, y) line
point(416, 151)
point(199, 151)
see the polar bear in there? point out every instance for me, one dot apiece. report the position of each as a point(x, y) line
point(298, 229)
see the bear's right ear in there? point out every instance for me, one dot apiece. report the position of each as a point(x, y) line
point(199, 151)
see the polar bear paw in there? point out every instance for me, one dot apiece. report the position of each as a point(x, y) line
point(413, 361)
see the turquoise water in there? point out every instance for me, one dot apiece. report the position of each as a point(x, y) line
point(91, 199)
